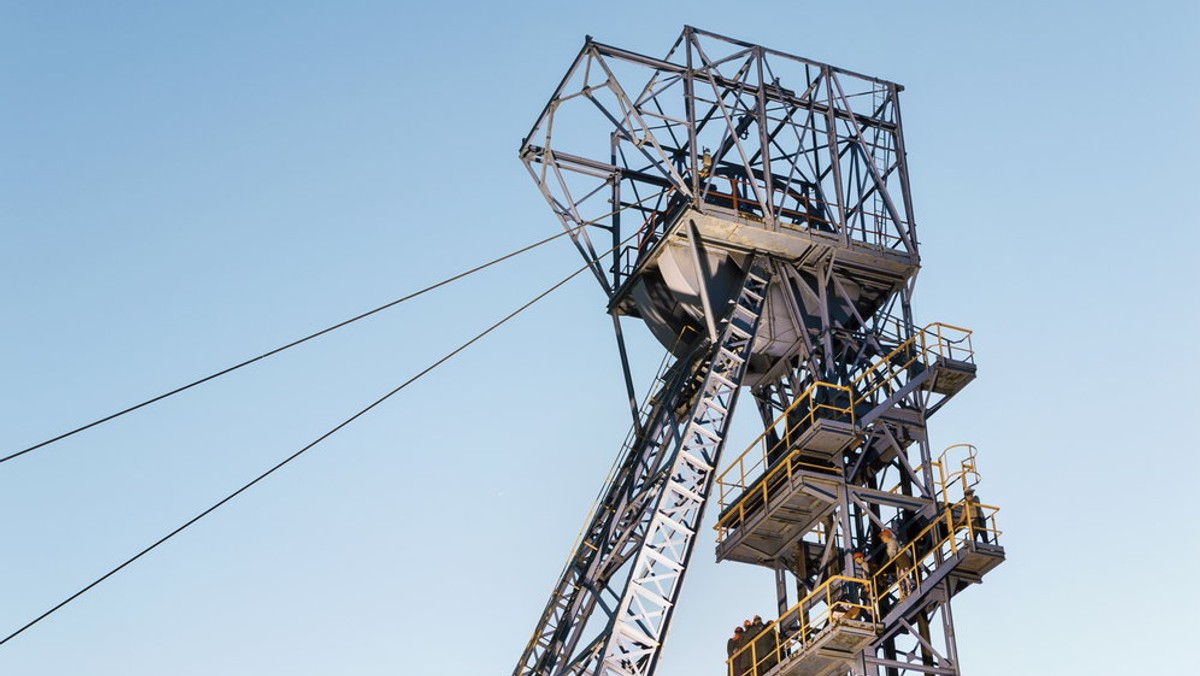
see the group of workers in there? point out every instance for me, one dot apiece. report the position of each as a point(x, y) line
point(896, 563)
point(753, 649)
point(898, 558)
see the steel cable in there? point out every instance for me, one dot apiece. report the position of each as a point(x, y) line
point(324, 331)
point(277, 350)
point(309, 446)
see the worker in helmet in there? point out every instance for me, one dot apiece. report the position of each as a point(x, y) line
point(900, 559)
point(732, 646)
point(766, 646)
point(858, 591)
point(974, 512)
point(741, 651)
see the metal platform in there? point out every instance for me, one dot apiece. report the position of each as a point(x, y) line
point(950, 376)
point(827, 438)
point(791, 495)
point(966, 566)
point(831, 651)
point(975, 560)
point(773, 513)
point(910, 421)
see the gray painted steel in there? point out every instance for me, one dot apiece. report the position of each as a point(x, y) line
point(753, 209)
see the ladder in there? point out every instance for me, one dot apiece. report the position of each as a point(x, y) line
point(629, 563)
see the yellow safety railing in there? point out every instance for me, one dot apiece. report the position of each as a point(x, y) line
point(935, 341)
point(947, 341)
point(747, 468)
point(961, 479)
point(955, 528)
point(838, 599)
point(885, 373)
point(825, 401)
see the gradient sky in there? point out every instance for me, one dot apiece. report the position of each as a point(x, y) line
point(185, 185)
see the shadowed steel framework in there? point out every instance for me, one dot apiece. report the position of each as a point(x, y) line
point(753, 209)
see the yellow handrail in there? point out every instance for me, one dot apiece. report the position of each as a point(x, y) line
point(937, 340)
point(967, 469)
point(809, 395)
point(834, 600)
point(842, 597)
point(955, 526)
point(967, 474)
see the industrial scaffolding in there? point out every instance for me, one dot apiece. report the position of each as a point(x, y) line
point(753, 209)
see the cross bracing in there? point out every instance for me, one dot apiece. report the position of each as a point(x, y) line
point(798, 144)
point(720, 163)
point(626, 571)
point(770, 271)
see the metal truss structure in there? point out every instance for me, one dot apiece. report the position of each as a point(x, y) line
point(753, 209)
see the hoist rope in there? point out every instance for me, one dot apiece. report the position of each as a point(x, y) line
point(322, 332)
point(310, 445)
point(277, 350)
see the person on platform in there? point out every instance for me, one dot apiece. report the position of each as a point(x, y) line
point(732, 646)
point(900, 558)
point(766, 646)
point(747, 656)
point(859, 596)
point(977, 516)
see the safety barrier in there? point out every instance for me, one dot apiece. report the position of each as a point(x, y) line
point(950, 485)
point(862, 226)
point(838, 600)
point(752, 477)
point(819, 402)
point(958, 481)
point(956, 528)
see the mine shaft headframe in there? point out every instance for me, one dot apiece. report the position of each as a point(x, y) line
point(628, 142)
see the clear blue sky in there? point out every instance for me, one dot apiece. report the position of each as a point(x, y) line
point(184, 185)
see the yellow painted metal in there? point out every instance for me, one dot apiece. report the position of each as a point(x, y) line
point(747, 468)
point(954, 482)
point(831, 603)
point(834, 601)
point(935, 341)
point(955, 528)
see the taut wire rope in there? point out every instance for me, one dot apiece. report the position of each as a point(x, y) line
point(310, 445)
point(322, 332)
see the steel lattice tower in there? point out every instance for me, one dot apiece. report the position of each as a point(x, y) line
point(753, 209)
